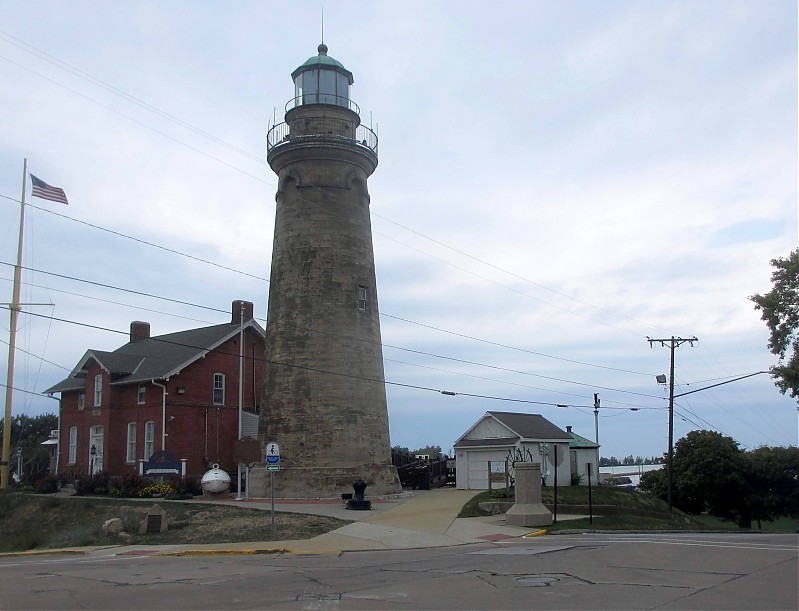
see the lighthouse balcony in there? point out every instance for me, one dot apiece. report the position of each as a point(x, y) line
point(322, 128)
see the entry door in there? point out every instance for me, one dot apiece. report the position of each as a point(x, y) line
point(96, 434)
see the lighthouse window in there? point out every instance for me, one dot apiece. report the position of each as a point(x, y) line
point(310, 87)
point(342, 89)
point(363, 299)
point(327, 86)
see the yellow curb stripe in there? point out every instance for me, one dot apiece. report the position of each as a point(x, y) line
point(45, 552)
point(535, 533)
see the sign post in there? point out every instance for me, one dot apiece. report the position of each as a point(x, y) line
point(272, 465)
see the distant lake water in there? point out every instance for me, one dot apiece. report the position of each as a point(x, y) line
point(632, 471)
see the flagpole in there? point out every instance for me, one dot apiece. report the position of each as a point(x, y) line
point(12, 338)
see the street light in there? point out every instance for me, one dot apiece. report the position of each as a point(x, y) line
point(92, 453)
point(661, 379)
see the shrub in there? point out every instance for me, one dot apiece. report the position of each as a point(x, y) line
point(577, 479)
point(186, 488)
point(94, 484)
point(46, 484)
point(127, 486)
point(153, 489)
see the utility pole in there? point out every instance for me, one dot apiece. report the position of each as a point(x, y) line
point(672, 343)
point(596, 418)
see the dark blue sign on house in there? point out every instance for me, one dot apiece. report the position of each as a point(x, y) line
point(162, 463)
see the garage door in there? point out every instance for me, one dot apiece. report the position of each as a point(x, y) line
point(477, 466)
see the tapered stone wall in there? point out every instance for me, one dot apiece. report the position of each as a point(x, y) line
point(324, 399)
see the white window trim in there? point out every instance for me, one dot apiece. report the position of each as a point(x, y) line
point(73, 445)
point(131, 446)
point(81, 401)
point(363, 298)
point(98, 390)
point(221, 387)
point(149, 439)
point(141, 394)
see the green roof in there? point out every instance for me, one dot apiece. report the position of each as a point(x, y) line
point(581, 442)
point(323, 60)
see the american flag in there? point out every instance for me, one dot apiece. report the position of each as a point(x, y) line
point(45, 191)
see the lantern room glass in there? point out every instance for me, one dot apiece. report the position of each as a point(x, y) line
point(321, 86)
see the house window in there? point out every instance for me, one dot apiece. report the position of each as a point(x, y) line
point(149, 439)
point(73, 445)
point(219, 389)
point(98, 390)
point(131, 454)
point(142, 396)
point(81, 401)
point(363, 298)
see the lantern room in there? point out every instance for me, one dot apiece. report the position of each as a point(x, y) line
point(322, 80)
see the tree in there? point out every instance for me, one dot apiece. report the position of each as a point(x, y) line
point(710, 475)
point(434, 452)
point(780, 311)
point(774, 479)
point(28, 434)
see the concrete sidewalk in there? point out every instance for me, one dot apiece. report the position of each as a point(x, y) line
point(418, 519)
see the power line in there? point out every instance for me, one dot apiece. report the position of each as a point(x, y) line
point(181, 302)
point(294, 366)
point(382, 313)
point(86, 76)
point(154, 245)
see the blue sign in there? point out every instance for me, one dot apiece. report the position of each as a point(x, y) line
point(162, 463)
point(272, 460)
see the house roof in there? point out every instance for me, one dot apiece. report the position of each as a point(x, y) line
point(154, 358)
point(522, 426)
point(578, 442)
point(498, 441)
point(530, 426)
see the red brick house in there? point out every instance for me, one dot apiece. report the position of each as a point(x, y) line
point(177, 392)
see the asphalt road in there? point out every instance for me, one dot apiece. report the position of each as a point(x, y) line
point(597, 571)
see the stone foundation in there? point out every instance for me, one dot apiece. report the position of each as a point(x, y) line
point(323, 482)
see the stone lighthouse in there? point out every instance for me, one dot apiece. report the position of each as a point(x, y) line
point(324, 396)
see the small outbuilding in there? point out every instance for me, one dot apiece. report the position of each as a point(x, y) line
point(505, 436)
point(583, 452)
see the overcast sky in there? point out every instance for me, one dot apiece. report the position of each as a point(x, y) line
point(557, 181)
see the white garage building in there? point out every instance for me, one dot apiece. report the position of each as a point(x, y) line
point(498, 435)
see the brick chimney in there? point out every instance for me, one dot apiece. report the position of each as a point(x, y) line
point(235, 317)
point(568, 428)
point(139, 330)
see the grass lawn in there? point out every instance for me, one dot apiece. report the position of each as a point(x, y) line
point(619, 509)
point(33, 521)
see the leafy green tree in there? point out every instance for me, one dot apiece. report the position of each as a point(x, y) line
point(774, 479)
point(434, 452)
point(28, 433)
point(780, 311)
point(710, 475)
point(655, 483)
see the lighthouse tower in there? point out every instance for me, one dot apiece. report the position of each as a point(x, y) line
point(324, 396)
